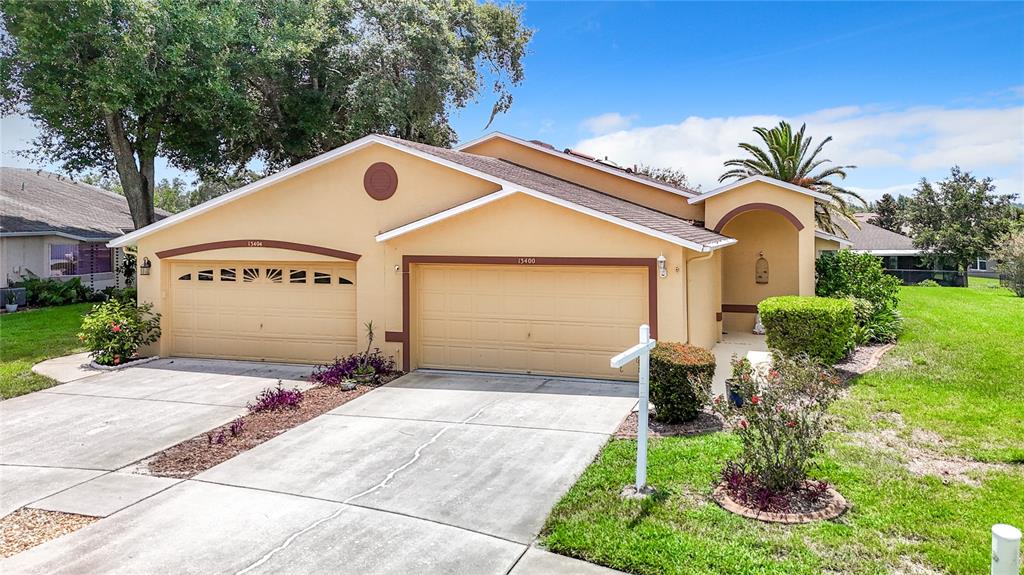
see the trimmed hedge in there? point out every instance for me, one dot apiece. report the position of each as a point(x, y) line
point(677, 369)
point(823, 328)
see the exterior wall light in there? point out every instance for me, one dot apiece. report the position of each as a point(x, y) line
point(662, 269)
point(144, 267)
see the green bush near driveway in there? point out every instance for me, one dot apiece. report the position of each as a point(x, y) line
point(115, 330)
point(823, 328)
point(680, 375)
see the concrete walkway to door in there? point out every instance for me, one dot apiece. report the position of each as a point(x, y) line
point(433, 473)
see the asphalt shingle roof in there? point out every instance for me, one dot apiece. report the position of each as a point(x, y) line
point(574, 193)
point(874, 238)
point(36, 201)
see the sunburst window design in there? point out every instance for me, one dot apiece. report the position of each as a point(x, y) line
point(227, 274)
point(297, 277)
point(250, 275)
point(274, 275)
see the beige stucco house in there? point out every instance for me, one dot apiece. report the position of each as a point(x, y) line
point(502, 255)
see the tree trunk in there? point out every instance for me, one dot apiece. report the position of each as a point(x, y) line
point(136, 178)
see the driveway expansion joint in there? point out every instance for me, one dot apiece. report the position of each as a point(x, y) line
point(146, 398)
point(473, 423)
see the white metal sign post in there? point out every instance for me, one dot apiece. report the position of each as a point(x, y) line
point(641, 351)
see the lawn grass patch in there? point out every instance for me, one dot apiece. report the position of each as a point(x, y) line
point(31, 336)
point(953, 376)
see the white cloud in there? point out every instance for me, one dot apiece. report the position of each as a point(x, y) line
point(889, 147)
point(605, 123)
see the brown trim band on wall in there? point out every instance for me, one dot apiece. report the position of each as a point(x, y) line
point(718, 316)
point(406, 339)
point(758, 206)
point(292, 246)
point(738, 308)
point(394, 336)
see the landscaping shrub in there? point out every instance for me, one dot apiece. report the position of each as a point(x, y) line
point(929, 283)
point(844, 273)
point(115, 330)
point(51, 292)
point(848, 274)
point(781, 426)
point(275, 398)
point(823, 328)
point(128, 294)
point(681, 374)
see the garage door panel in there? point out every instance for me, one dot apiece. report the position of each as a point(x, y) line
point(552, 320)
point(263, 310)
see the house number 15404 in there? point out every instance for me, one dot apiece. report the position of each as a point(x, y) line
point(255, 244)
point(527, 261)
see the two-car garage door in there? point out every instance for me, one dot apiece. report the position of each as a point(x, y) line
point(560, 320)
point(557, 320)
point(268, 311)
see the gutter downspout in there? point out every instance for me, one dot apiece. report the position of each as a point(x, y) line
point(700, 258)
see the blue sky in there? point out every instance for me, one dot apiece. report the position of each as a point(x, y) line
point(905, 89)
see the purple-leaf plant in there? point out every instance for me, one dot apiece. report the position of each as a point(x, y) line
point(274, 398)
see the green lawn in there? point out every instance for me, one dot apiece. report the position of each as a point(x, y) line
point(955, 373)
point(28, 337)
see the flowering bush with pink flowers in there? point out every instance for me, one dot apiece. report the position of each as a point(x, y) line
point(115, 330)
point(781, 421)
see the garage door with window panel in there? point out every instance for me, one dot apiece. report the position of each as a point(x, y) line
point(554, 320)
point(289, 312)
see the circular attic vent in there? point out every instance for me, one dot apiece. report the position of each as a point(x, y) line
point(380, 181)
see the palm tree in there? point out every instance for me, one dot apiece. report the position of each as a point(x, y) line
point(786, 158)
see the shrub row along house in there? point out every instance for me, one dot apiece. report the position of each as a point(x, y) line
point(502, 255)
point(54, 227)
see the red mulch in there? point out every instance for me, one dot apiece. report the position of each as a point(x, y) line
point(198, 454)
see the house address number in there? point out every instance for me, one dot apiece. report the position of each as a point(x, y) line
point(255, 244)
point(527, 261)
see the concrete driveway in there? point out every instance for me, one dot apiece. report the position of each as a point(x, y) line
point(433, 473)
point(64, 436)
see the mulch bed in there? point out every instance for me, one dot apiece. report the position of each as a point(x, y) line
point(862, 360)
point(26, 528)
point(198, 454)
point(705, 423)
point(801, 509)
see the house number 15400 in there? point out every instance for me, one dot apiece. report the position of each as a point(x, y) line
point(527, 261)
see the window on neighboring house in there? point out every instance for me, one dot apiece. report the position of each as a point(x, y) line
point(981, 265)
point(80, 259)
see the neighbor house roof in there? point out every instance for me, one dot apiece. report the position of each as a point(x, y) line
point(511, 177)
point(586, 160)
point(37, 203)
point(877, 240)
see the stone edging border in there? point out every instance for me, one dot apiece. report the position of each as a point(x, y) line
point(132, 363)
point(834, 509)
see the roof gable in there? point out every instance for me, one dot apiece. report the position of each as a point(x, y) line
point(580, 159)
point(763, 179)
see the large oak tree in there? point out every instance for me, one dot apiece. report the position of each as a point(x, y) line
point(212, 85)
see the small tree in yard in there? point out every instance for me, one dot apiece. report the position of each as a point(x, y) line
point(780, 423)
point(1009, 253)
point(888, 214)
point(958, 219)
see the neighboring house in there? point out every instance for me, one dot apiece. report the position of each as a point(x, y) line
point(54, 227)
point(502, 255)
point(899, 256)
